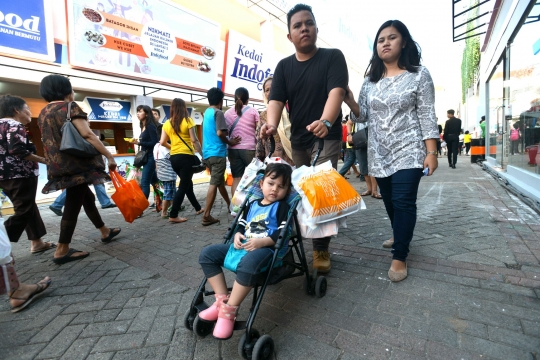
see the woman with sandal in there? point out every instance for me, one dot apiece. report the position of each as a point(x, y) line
point(19, 173)
point(180, 129)
point(65, 171)
point(397, 100)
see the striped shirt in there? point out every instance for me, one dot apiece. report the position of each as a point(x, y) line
point(162, 156)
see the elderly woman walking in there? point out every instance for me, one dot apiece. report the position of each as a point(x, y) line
point(397, 100)
point(65, 171)
point(19, 173)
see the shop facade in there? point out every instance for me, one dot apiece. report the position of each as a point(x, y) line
point(510, 94)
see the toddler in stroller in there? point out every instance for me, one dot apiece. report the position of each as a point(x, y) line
point(260, 231)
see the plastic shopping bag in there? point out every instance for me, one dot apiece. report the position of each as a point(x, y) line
point(5, 245)
point(133, 173)
point(317, 231)
point(326, 195)
point(245, 183)
point(128, 197)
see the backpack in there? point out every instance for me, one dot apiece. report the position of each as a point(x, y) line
point(514, 135)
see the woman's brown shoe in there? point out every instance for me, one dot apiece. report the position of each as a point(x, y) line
point(397, 276)
point(388, 243)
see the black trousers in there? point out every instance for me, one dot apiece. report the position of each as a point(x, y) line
point(76, 197)
point(22, 193)
point(452, 142)
point(182, 165)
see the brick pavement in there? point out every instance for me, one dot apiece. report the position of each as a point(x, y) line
point(472, 290)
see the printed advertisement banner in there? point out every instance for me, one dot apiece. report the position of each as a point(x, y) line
point(26, 30)
point(108, 110)
point(149, 39)
point(247, 64)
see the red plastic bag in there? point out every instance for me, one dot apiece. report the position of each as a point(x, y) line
point(128, 197)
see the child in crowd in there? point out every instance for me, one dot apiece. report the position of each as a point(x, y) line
point(443, 147)
point(258, 231)
point(166, 175)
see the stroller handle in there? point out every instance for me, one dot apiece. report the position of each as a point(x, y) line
point(319, 150)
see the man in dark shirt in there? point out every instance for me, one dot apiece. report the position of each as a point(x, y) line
point(313, 81)
point(451, 136)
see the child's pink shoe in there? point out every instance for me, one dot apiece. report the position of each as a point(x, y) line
point(224, 327)
point(211, 314)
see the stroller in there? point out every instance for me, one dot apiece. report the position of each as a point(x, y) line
point(289, 261)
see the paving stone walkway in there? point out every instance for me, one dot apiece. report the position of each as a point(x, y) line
point(472, 292)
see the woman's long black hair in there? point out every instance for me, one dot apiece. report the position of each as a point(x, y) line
point(149, 116)
point(409, 58)
point(241, 97)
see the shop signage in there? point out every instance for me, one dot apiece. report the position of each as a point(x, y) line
point(247, 64)
point(27, 30)
point(154, 40)
point(108, 110)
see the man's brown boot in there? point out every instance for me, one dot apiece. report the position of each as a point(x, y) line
point(321, 261)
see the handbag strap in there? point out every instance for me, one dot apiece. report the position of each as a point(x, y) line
point(190, 149)
point(68, 115)
point(238, 119)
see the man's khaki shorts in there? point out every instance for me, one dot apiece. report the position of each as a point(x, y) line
point(217, 166)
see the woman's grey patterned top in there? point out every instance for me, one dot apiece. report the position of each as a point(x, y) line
point(400, 112)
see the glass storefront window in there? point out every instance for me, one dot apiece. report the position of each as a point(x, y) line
point(494, 128)
point(524, 123)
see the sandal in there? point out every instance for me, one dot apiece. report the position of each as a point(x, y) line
point(365, 193)
point(112, 233)
point(376, 196)
point(68, 258)
point(48, 246)
point(199, 212)
point(177, 220)
point(41, 287)
point(209, 221)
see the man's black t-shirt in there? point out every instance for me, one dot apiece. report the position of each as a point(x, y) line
point(305, 85)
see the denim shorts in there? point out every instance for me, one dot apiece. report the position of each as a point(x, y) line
point(169, 189)
point(217, 166)
point(239, 160)
point(248, 272)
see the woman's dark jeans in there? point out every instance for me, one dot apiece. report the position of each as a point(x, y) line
point(182, 165)
point(248, 272)
point(149, 175)
point(399, 192)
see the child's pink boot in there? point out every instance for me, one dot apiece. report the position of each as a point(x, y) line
point(224, 327)
point(211, 314)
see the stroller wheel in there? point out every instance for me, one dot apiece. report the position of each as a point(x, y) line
point(242, 351)
point(202, 328)
point(188, 319)
point(320, 287)
point(264, 348)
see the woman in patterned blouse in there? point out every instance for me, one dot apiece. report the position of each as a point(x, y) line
point(397, 100)
point(19, 173)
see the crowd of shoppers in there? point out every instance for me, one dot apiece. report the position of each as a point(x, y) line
point(393, 161)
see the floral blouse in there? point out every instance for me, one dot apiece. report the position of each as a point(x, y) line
point(400, 112)
point(262, 146)
point(14, 147)
point(64, 170)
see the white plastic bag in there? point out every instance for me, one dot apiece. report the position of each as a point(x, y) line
point(326, 195)
point(247, 180)
point(5, 245)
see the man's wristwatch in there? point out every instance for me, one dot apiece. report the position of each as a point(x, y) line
point(327, 123)
point(434, 152)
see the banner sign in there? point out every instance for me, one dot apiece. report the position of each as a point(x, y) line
point(26, 30)
point(247, 64)
point(108, 110)
point(148, 39)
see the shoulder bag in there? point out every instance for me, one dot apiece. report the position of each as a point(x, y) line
point(237, 120)
point(72, 142)
point(199, 165)
point(141, 158)
point(360, 138)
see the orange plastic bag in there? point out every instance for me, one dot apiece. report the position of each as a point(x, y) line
point(128, 197)
point(326, 195)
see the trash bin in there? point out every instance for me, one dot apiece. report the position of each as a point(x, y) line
point(478, 150)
